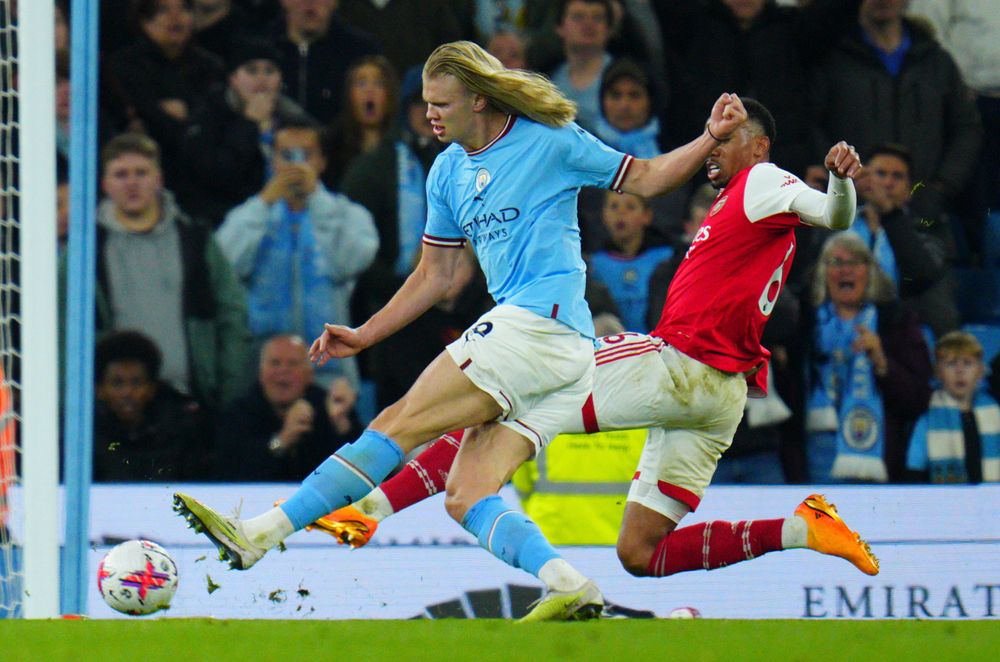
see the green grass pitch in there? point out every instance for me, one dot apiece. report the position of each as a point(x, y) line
point(192, 640)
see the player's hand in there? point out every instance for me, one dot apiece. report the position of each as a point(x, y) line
point(727, 115)
point(870, 343)
point(843, 161)
point(336, 342)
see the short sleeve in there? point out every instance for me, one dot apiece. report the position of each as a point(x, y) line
point(441, 228)
point(916, 454)
point(770, 191)
point(589, 161)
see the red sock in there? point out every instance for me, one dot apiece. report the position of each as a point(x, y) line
point(712, 545)
point(424, 475)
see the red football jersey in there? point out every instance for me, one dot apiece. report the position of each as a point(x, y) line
point(727, 283)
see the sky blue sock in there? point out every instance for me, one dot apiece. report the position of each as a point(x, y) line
point(344, 477)
point(509, 535)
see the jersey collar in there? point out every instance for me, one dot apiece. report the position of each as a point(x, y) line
point(503, 132)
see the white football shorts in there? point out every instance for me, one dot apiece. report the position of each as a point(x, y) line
point(539, 371)
point(691, 409)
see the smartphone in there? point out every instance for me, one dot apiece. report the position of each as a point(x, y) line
point(294, 154)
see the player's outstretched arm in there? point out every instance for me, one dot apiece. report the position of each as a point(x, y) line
point(836, 208)
point(428, 284)
point(666, 172)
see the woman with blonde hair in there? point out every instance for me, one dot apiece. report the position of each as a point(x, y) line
point(507, 184)
point(868, 366)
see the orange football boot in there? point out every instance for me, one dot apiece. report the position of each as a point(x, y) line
point(828, 534)
point(348, 525)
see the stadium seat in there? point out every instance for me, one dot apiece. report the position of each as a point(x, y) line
point(978, 295)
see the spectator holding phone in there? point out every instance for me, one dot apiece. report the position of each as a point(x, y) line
point(298, 247)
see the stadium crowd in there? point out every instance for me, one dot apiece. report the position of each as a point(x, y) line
point(262, 171)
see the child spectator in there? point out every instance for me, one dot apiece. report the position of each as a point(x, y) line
point(958, 439)
point(626, 265)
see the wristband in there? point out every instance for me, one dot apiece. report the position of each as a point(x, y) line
point(718, 140)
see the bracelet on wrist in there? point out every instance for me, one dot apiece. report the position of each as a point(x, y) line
point(713, 136)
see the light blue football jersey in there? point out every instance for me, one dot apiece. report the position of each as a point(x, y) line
point(515, 200)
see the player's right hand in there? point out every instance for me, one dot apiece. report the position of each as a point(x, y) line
point(336, 342)
point(843, 161)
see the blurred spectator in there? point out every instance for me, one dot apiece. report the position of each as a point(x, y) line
point(144, 430)
point(958, 439)
point(371, 105)
point(62, 207)
point(628, 122)
point(913, 252)
point(629, 259)
point(492, 17)
point(316, 49)
point(754, 48)
point(280, 429)
point(62, 105)
point(890, 81)
point(868, 368)
point(633, 32)
point(389, 181)
point(970, 30)
point(162, 274)
point(508, 47)
point(584, 26)
point(299, 247)
point(408, 30)
point(162, 75)
point(229, 143)
point(61, 36)
point(219, 25)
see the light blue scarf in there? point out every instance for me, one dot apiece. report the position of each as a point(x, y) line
point(411, 206)
point(845, 408)
point(946, 442)
point(879, 245)
point(640, 143)
point(287, 257)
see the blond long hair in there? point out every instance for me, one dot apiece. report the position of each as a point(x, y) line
point(510, 91)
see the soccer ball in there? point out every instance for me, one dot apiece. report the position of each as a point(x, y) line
point(137, 577)
point(684, 612)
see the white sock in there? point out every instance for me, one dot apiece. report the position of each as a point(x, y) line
point(267, 530)
point(559, 575)
point(375, 505)
point(794, 532)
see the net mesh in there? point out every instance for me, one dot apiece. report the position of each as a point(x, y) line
point(10, 574)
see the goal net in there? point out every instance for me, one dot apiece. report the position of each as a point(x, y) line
point(10, 562)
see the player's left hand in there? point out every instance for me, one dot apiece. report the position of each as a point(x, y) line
point(843, 161)
point(727, 115)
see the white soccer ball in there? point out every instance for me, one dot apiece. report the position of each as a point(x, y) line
point(137, 577)
point(684, 612)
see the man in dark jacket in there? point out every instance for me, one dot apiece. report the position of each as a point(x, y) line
point(316, 50)
point(144, 430)
point(890, 81)
point(755, 49)
point(280, 429)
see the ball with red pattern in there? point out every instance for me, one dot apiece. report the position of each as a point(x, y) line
point(137, 577)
